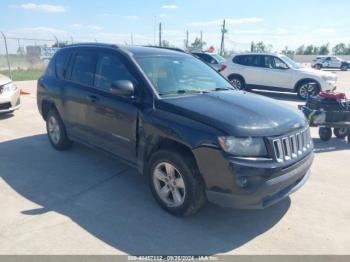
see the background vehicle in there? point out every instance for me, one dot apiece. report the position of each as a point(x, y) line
point(276, 72)
point(160, 111)
point(214, 60)
point(331, 62)
point(9, 95)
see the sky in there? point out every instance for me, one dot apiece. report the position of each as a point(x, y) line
point(279, 23)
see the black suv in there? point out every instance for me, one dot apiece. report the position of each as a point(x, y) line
point(177, 121)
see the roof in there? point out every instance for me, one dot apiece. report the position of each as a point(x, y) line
point(135, 50)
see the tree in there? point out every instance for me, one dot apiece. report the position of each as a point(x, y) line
point(260, 47)
point(341, 49)
point(300, 50)
point(323, 50)
point(309, 50)
point(165, 43)
point(288, 52)
point(197, 44)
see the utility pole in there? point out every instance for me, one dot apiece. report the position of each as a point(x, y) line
point(223, 32)
point(201, 40)
point(186, 39)
point(160, 34)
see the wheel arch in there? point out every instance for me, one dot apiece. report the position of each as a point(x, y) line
point(296, 86)
point(236, 75)
point(46, 105)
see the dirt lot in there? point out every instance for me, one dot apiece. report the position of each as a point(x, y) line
point(83, 202)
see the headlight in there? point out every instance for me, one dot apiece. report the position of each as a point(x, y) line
point(9, 87)
point(329, 78)
point(247, 146)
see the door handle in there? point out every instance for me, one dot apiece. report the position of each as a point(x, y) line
point(93, 98)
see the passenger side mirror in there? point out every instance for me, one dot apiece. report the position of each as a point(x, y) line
point(123, 88)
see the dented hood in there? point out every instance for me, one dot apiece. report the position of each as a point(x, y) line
point(237, 113)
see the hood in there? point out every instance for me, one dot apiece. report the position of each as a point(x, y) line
point(319, 73)
point(4, 80)
point(237, 113)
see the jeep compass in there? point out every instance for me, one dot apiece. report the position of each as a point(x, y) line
point(177, 121)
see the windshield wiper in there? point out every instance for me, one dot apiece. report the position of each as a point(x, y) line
point(184, 91)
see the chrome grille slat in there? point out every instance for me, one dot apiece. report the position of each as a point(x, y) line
point(290, 147)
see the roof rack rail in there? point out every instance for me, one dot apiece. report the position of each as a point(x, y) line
point(92, 44)
point(169, 48)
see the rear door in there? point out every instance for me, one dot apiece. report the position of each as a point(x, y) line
point(249, 66)
point(112, 120)
point(76, 92)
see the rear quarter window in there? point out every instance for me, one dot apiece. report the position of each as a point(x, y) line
point(61, 62)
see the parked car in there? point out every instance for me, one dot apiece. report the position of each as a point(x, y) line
point(277, 73)
point(9, 95)
point(331, 62)
point(214, 60)
point(177, 121)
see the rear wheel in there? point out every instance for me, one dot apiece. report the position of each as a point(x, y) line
point(341, 133)
point(237, 82)
point(307, 88)
point(325, 133)
point(175, 183)
point(56, 131)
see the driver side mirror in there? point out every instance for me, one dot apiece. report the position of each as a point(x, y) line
point(124, 88)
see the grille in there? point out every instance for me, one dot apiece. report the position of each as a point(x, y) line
point(287, 148)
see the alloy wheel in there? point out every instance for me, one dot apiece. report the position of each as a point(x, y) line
point(54, 130)
point(169, 184)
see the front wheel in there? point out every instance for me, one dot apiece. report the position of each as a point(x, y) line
point(318, 67)
point(175, 183)
point(344, 68)
point(56, 131)
point(325, 133)
point(307, 89)
point(341, 133)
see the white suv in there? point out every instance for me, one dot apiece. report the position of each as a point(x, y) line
point(277, 73)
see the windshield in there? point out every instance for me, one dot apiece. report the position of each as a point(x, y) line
point(219, 58)
point(290, 62)
point(180, 75)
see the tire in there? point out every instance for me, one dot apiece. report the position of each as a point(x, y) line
point(318, 66)
point(307, 88)
point(325, 133)
point(344, 68)
point(187, 195)
point(237, 82)
point(341, 133)
point(56, 131)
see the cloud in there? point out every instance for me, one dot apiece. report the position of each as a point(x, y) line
point(81, 26)
point(325, 30)
point(170, 6)
point(45, 8)
point(132, 17)
point(230, 21)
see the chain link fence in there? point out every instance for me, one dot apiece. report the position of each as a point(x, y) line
point(25, 58)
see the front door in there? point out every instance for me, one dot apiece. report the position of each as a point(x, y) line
point(276, 73)
point(112, 120)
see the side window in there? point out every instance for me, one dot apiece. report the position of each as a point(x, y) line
point(61, 61)
point(274, 63)
point(239, 60)
point(50, 69)
point(110, 69)
point(84, 68)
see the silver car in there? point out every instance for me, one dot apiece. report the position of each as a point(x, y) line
point(9, 95)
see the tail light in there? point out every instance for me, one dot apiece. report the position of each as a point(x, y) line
point(222, 68)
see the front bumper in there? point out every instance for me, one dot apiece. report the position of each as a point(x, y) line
point(10, 101)
point(271, 181)
point(328, 85)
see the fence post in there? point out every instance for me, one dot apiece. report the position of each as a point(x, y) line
point(7, 54)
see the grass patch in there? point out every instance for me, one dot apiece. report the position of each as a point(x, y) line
point(23, 75)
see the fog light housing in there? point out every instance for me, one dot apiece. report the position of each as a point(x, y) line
point(242, 181)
